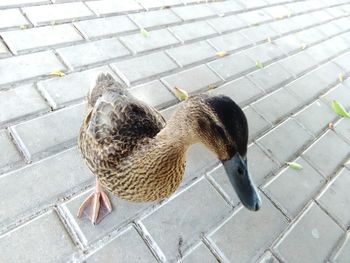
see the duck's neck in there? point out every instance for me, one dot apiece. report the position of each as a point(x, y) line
point(156, 169)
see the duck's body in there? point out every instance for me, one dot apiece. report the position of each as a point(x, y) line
point(134, 153)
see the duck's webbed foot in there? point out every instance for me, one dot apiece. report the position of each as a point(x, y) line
point(96, 206)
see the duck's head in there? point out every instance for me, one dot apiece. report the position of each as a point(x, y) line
point(223, 128)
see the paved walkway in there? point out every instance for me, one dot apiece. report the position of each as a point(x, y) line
point(286, 62)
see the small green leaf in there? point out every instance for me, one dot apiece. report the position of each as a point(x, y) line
point(144, 32)
point(181, 94)
point(294, 165)
point(259, 64)
point(339, 109)
point(340, 77)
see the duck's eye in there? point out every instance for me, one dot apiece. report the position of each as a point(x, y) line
point(240, 171)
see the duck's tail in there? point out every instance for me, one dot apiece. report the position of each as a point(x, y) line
point(104, 83)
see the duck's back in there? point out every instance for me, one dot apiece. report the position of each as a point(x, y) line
point(116, 123)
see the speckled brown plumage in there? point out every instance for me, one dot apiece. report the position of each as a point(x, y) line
point(133, 152)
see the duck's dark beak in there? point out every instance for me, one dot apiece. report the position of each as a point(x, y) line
point(237, 171)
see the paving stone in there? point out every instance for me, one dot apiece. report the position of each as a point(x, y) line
point(329, 29)
point(299, 7)
point(106, 26)
point(251, 232)
point(12, 18)
point(339, 93)
point(288, 44)
point(232, 66)
point(343, 254)
point(4, 52)
point(74, 87)
point(327, 153)
point(344, 62)
point(123, 211)
point(154, 93)
point(156, 39)
point(13, 3)
point(253, 4)
point(321, 16)
point(310, 36)
point(29, 66)
point(227, 23)
point(271, 77)
point(139, 68)
point(316, 117)
point(299, 63)
point(32, 241)
point(259, 33)
point(305, 20)
point(343, 128)
point(193, 31)
point(321, 52)
point(192, 80)
point(339, 43)
point(342, 23)
point(149, 4)
point(45, 14)
point(268, 257)
point(335, 198)
point(113, 7)
point(44, 135)
point(193, 12)
point(155, 18)
point(257, 124)
point(283, 187)
point(21, 199)
point(167, 226)
point(167, 113)
point(264, 53)
point(99, 51)
point(20, 102)
point(318, 232)
point(200, 254)
point(278, 12)
point(12, 156)
point(255, 17)
point(284, 26)
point(128, 247)
point(276, 142)
point(40, 37)
point(242, 91)
point(192, 53)
point(328, 73)
point(230, 42)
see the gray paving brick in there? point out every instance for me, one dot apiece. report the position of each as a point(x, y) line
point(316, 117)
point(271, 77)
point(339, 93)
point(193, 31)
point(268, 257)
point(12, 18)
point(305, 20)
point(200, 254)
point(260, 33)
point(336, 12)
point(44, 135)
point(285, 26)
point(155, 18)
point(232, 66)
point(225, 7)
point(253, 4)
point(327, 153)
point(154, 93)
point(318, 233)
point(60, 92)
point(257, 124)
point(227, 23)
point(343, 128)
point(242, 91)
point(123, 211)
point(342, 23)
point(277, 105)
point(251, 232)
point(335, 198)
point(32, 242)
point(343, 254)
point(344, 62)
point(321, 52)
point(139, 68)
point(299, 63)
point(255, 17)
point(328, 73)
point(329, 29)
point(45, 14)
point(106, 26)
point(99, 51)
point(12, 156)
point(321, 16)
point(192, 80)
point(282, 188)
point(127, 247)
point(29, 66)
point(149, 4)
point(299, 7)
point(156, 39)
point(167, 226)
point(278, 12)
point(40, 37)
point(20, 102)
point(264, 53)
point(288, 44)
point(310, 36)
point(15, 3)
point(230, 42)
point(193, 12)
point(4, 52)
point(339, 43)
point(277, 143)
point(192, 53)
point(49, 187)
point(167, 113)
point(113, 7)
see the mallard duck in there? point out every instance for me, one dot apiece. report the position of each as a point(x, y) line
point(137, 156)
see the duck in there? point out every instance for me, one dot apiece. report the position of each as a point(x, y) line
point(139, 157)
